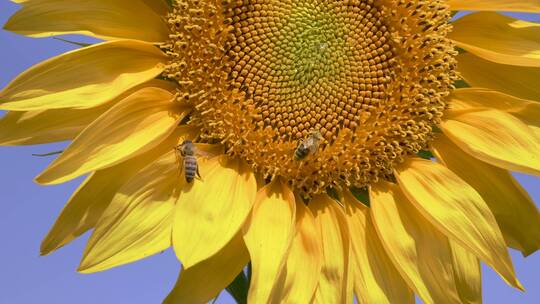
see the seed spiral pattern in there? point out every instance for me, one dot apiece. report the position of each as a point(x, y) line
point(370, 75)
point(315, 65)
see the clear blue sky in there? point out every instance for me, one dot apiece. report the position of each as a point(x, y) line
point(28, 210)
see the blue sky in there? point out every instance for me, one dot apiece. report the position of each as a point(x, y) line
point(28, 210)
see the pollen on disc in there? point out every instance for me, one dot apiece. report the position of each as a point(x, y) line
point(370, 76)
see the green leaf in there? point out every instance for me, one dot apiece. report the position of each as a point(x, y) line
point(425, 154)
point(436, 129)
point(460, 50)
point(214, 301)
point(461, 84)
point(238, 289)
point(332, 192)
point(249, 272)
point(361, 194)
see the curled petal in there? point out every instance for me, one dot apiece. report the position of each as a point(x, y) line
point(138, 221)
point(376, 280)
point(494, 137)
point(420, 252)
point(458, 211)
point(515, 212)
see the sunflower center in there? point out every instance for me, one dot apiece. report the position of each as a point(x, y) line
point(311, 66)
point(302, 47)
point(368, 77)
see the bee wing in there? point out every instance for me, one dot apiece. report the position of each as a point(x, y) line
point(208, 151)
point(202, 153)
point(313, 145)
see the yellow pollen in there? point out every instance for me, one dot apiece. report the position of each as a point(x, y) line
point(369, 76)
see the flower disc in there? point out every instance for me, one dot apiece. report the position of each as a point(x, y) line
point(370, 76)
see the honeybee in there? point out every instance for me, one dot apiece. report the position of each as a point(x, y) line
point(309, 145)
point(188, 152)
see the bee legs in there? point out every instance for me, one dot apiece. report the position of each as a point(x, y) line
point(178, 155)
point(198, 174)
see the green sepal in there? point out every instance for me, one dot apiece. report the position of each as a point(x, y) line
point(361, 194)
point(425, 154)
point(238, 289)
point(461, 84)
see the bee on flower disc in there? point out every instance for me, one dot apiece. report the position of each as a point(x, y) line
point(309, 145)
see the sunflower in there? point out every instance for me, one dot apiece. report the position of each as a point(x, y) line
point(341, 148)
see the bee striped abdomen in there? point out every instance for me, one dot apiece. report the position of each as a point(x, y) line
point(301, 152)
point(190, 167)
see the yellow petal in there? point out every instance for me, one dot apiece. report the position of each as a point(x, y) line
point(138, 221)
point(536, 130)
point(133, 126)
point(213, 209)
point(330, 219)
point(376, 278)
point(205, 280)
point(87, 204)
point(495, 137)
point(420, 252)
point(303, 267)
point(532, 6)
point(525, 110)
point(349, 288)
point(498, 38)
point(84, 78)
point(85, 207)
point(161, 7)
point(518, 81)
point(44, 126)
point(457, 210)
point(515, 212)
point(486, 98)
point(268, 234)
point(106, 19)
point(467, 275)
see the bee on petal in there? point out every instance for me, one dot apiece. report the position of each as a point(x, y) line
point(189, 152)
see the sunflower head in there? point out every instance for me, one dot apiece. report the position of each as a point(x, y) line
point(324, 117)
point(369, 77)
